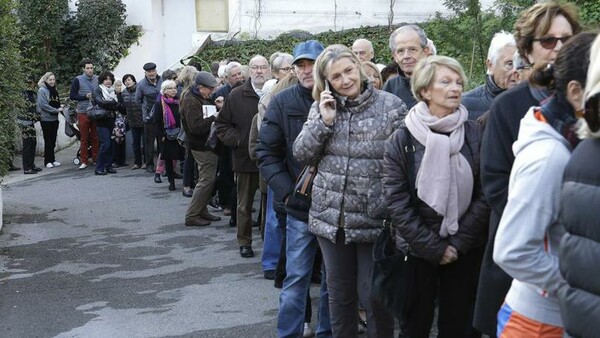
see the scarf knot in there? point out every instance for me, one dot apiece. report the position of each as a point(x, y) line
point(445, 179)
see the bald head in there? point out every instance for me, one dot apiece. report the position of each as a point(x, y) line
point(363, 49)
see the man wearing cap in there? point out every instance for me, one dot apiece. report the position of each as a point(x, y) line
point(408, 45)
point(82, 89)
point(146, 93)
point(233, 128)
point(197, 129)
point(285, 115)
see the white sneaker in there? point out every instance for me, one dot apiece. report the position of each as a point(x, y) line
point(56, 163)
point(83, 166)
point(308, 332)
point(49, 165)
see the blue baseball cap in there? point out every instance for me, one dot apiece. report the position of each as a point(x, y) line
point(309, 50)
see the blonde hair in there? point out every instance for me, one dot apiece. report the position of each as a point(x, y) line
point(372, 66)
point(186, 77)
point(592, 87)
point(326, 58)
point(424, 73)
point(41, 83)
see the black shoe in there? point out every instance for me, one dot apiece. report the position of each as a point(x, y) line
point(157, 178)
point(246, 251)
point(111, 170)
point(269, 274)
point(37, 169)
point(232, 223)
point(187, 192)
point(171, 186)
point(210, 217)
point(30, 171)
point(177, 176)
point(255, 224)
point(98, 172)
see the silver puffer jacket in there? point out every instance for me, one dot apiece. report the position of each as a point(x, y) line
point(347, 191)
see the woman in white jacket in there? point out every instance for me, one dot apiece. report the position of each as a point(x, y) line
point(526, 245)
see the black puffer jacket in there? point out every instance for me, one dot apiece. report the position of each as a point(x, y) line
point(400, 86)
point(580, 246)
point(479, 99)
point(419, 225)
point(283, 121)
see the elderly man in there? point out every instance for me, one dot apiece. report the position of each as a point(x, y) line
point(501, 75)
point(363, 49)
point(233, 128)
point(197, 129)
point(283, 121)
point(408, 44)
point(145, 94)
point(233, 76)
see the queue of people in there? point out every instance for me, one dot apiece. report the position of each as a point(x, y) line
point(490, 192)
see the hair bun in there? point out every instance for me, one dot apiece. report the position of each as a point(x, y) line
point(543, 76)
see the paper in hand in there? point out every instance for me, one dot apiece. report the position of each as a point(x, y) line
point(209, 110)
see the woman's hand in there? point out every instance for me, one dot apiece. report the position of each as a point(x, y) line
point(450, 255)
point(327, 107)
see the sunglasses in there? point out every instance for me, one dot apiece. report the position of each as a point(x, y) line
point(549, 42)
point(592, 112)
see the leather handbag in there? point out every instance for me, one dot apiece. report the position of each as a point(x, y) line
point(96, 113)
point(300, 198)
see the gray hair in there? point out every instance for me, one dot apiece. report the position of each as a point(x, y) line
point(414, 28)
point(280, 59)
point(500, 40)
point(230, 66)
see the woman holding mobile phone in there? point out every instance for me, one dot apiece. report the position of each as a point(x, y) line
point(344, 135)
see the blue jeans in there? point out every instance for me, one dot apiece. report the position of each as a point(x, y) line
point(300, 254)
point(106, 151)
point(273, 237)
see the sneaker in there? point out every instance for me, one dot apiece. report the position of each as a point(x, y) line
point(49, 165)
point(308, 332)
point(56, 163)
point(83, 166)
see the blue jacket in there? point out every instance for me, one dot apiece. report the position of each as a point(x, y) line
point(283, 121)
point(479, 99)
point(146, 94)
point(400, 86)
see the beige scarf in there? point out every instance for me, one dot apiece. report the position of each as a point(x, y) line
point(445, 178)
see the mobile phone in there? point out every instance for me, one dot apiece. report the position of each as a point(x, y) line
point(328, 89)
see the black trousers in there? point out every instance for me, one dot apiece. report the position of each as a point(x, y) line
point(49, 129)
point(29, 144)
point(455, 286)
point(151, 133)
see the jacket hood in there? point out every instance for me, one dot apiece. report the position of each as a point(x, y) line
point(533, 130)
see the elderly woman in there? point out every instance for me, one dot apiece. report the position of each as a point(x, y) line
point(167, 106)
point(580, 247)
point(48, 106)
point(540, 32)
point(444, 222)
point(373, 73)
point(344, 135)
point(106, 98)
point(529, 234)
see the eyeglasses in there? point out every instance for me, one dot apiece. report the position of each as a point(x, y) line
point(549, 42)
point(171, 88)
point(286, 69)
point(592, 112)
point(259, 67)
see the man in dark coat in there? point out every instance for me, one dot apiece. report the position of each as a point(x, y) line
point(233, 128)
point(501, 75)
point(408, 45)
point(283, 121)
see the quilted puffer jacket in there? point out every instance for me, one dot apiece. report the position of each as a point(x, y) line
point(417, 223)
point(347, 190)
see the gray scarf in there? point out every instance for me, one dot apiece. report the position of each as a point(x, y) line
point(445, 178)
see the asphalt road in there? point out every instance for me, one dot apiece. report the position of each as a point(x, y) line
point(109, 256)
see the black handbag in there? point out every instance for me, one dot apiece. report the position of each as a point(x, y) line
point(300, 198)
point(96, 113)
point(391, 281)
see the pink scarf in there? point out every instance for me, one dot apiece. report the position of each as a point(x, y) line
point(445, 178)
point(168, 117)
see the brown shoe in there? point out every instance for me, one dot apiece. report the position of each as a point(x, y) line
point(197, 223)
point(210, 217)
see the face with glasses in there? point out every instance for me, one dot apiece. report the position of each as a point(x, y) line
point(545, 47)
point(503, 70)
point(408, 51)
point(283, 70)
point(260, 71)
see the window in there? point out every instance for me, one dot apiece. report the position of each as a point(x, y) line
point(212, 15)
